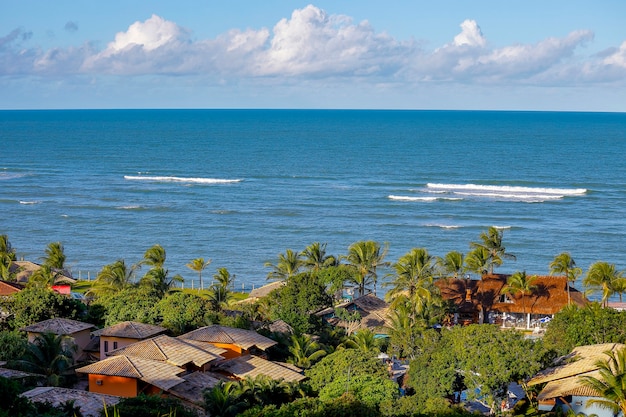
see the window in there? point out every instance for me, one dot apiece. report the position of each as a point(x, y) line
point(114, 345)
point(106, 345)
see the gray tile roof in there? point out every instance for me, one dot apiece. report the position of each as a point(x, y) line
point(160, 374)
point(168, 349)
point(58, 326)
point(90, 403)
point(195, 384)
point(252, 366)
point(229, 335)
point(132, 330)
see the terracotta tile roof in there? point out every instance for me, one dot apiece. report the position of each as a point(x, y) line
point(132, 330)
point(160, 374)
point(564, 379)
point(58, 326)
point(549, 297)
point(8, 287)
point(168, 349)
point(206, 346)
point(90, 403)
point(229, 335)
point(192, 389)
point(253, 366)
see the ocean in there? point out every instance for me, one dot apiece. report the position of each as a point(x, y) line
point(241, 186)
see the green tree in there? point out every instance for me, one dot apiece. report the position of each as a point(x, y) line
point(182, 312)
point(363, 340)
point(522, 284)
point(131, 304)
point(45, 276)
point(50, 355)
point(221, 293)
point(13, 404)
point(55, 256)
point(154, 257)
point(314, 257)
point(491, 240)
point(365, 257)
point(478, 261)
point(112, 279)
point(453, 264)
point(288, 265)
point(223, 400)
point(199, 265)
point(611, 383)
point(149, 406)
point(302, 295)
point(304, 351)
point(7, 256)
point(564, 264)
point(13, 345)
point(158, 281)
point(589, 325)
point(413, 280)
point(604, 277)
point(35, 304)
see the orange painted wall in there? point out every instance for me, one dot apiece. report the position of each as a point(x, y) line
point(233, 351)
point(113, 385)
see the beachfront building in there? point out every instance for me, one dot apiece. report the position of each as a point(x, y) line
point(235, 342)
point(79, 332)
point(562, 387)
point(483, 301)
point(123, 334)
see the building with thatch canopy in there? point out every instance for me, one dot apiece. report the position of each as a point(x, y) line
point(483, 301)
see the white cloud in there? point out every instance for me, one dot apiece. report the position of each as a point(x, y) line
point(314, 45)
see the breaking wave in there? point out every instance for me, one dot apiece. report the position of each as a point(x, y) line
point(505, 192)
point(427, 199)
point(28, 203)
point(181, 179)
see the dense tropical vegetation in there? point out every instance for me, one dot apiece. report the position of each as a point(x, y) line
point(346, 375)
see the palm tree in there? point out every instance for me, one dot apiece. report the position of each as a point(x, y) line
point(413, 281)
point(603, 276)
point(154, 257)
point(491, 240)
point(564, 264)
point(45, 276)
point(363, 340)
point(365, 256)
point(221, 289)
point(198, 265)
point(305, 351)
point(315, 258)
point(520, 283)
point(55, 257)
point(478, 261)
point(611, 384)
point(50, 355)
point(223, 400)
point(405, 329)
point(158, 281)
point(113, 278)
point(288, 265)
point(7, 256)
point(453, 264)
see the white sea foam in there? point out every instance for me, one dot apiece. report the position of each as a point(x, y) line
point(181, 179)
point(28, 203)
point(442, 226)
point(133, 207)
point(506, 192)
point(427, 199)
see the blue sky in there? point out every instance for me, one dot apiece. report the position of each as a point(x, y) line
point(517, 55)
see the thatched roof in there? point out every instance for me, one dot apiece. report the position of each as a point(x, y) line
point(252, 366)
point(564, 379)
point(549, 297)
point(160, 374)
point(24, 269)
point(168, 349)
point(230, 335)
point(58, 326)
point(90, 403)
point(131, 330)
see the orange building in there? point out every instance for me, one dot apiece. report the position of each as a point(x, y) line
point(236, 342)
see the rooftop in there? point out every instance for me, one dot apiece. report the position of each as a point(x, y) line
point(132, 330)
point(229, 335)
point(58, 326)
point(90, 403)
point(252, 366)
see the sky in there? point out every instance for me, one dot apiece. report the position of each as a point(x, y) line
point(563, 55)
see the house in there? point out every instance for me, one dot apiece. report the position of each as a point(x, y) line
point(90, 403)
point(236, 342)
point(79, 332)
point(482, 301)
point(125, 333)
point(171, 350)
point(24, 270)
point(8, 288)
point(127, 376)
point(263, 291)
point(563, 389)
point(373, 312)
point(253, 366)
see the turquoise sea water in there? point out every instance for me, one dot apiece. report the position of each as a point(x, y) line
point(240, 186)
